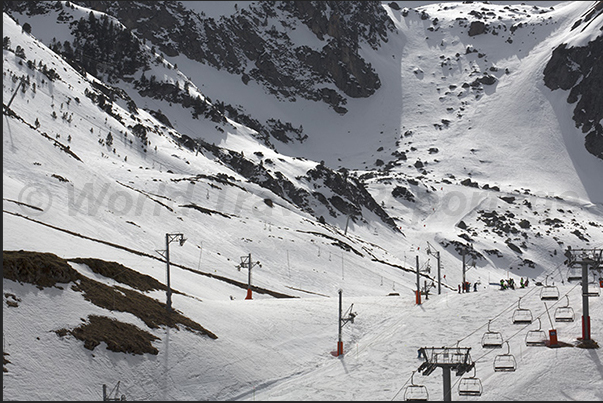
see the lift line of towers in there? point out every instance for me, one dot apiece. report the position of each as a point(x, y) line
point(580, 263)
point(458, 359)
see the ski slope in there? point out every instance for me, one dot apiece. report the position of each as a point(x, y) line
point(117, 203)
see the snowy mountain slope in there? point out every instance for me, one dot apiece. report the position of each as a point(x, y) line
point(498, 142)
point(355, 132)
point(68, 192)
point(82, 199)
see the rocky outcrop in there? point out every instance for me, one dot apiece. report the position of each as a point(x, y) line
point(580, 70)
point(477, 28)
point(348, 196)
point(245, 43)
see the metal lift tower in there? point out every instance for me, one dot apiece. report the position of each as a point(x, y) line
point(589, 259)
point(447, 358)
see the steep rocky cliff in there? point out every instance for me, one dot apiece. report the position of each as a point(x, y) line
point(255, 43)
point(580, 70)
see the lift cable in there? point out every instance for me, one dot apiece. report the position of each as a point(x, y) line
point(525, 326)
point(513, 305)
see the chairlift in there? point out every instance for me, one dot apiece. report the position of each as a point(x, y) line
point(470, 386)
point(491, 339)
point(505, 362)
point(522, 316)
point(549, 292)
point(564, 313)
point(592, 291)
point(415, 392)
point(574, 273)
point(593, 288)
point(536, 337)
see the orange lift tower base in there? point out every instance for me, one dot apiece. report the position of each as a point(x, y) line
point(247, 262)
point(553, 342)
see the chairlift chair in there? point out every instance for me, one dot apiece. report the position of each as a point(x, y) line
point(415, 392)
point(505, 362)
point(536, 337)
point(593, 288)
point(491, 339)
point(522, 316)
point(470, 386)
point(549, 292)
point(564, 313)
point(574, 274)
point(593, 291)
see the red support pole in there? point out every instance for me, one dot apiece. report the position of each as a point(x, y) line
point(418, 297)
point(553, 337)
point(248, 294)
point(339, 348)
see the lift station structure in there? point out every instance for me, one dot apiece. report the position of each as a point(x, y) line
point(449, 359)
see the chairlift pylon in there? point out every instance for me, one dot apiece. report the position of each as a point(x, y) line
point(536, 337)
point(549, 292)
point(415, 392)
point(470, 386)
point(491, 339)
point(564, 313)
point(505, 362)
point(522, 316)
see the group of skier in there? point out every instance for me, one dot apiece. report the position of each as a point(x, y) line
point(510, 283)
point(466, 287)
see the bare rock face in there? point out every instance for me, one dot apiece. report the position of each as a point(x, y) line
point(476, 28)
point(580, 70)
point(245, 44)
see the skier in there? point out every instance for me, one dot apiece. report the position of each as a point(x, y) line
point(474, 287)
point(521, 284)
point(502, 284)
